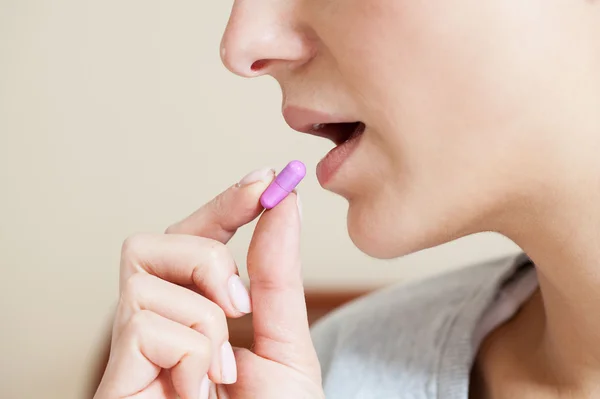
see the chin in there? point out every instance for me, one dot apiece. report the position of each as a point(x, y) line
point(382, 235)
point(392, 233)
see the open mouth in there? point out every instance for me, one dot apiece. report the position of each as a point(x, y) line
point(341, 129)
point(339, 133)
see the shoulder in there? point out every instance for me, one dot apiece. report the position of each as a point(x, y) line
point(395, 337)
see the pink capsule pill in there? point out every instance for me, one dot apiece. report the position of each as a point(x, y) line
point(283, 185)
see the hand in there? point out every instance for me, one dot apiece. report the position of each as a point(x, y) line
point(170, 336)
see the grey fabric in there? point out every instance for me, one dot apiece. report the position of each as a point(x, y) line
point(410, 341)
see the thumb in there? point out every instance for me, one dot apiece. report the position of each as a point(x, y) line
point(281, 331)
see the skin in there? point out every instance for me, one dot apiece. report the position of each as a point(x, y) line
point(481, 116)
point(170, 322)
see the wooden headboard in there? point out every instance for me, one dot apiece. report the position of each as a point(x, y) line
point(318, 303)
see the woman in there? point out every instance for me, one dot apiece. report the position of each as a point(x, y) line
point(450, 118)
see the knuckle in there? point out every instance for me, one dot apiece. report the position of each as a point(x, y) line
point(218, 207)
point(200, 346)
point(213, 256)
point(134, 286)
point(216, 252)
point(133, 245)
point(139, 322)
point(215, 317)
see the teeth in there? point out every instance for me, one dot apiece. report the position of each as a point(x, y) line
point(318, 126)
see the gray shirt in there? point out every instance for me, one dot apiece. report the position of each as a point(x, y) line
point(419, 341)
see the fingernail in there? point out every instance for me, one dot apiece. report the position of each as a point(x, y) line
point(239, 294)
point(204, 386)
point(298, 203)
point(265, 174)
point(228, 366)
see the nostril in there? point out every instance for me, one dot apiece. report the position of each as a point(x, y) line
point(258, 65)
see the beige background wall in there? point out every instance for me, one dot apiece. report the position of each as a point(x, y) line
point(117, 117)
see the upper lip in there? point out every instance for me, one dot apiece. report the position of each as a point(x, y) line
point(306, 120)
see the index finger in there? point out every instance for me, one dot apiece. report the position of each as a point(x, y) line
point(220, 218)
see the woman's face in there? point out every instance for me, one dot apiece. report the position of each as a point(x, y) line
point(462, 102)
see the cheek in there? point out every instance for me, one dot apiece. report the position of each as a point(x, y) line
point(450, 87)
point(427, 67)
point(403, 211)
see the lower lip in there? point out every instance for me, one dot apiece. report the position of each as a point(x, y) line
point(333, 161)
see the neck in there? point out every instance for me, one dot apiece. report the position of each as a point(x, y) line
point(554, 342)
point(568, 333)
point(561, 234)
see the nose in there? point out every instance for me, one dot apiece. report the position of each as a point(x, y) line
point(263, 36)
